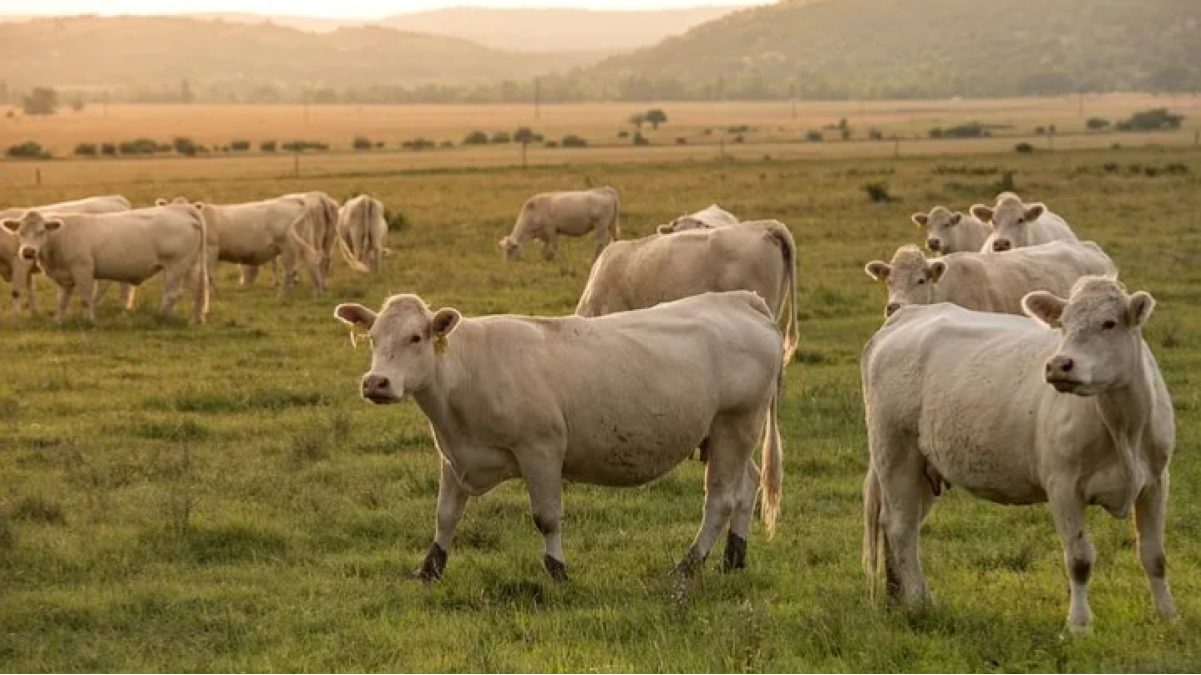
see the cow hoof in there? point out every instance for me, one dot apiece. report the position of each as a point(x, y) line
point(432, 567)
point(690, 565)
point(556, 568)
point(735, 554)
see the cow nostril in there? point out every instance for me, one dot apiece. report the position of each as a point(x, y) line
point(932, 244)
point(1066, 365)
point(1000, 245)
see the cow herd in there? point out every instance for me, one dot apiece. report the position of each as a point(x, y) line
point(1010, 364)
point(84, 245)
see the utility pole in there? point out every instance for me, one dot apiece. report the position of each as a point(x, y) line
point(305, 98)
point(792, 96)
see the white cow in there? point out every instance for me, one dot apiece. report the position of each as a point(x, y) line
point(1018, 412)
point(573, 213)
point(362, 233)
point(618, 400)
point(951, 232)
point(988, 282)
point(710, 217)
point(1016, 224)
point(75, 250)
point(9, 244)
point(256, 233)
point(757, 256)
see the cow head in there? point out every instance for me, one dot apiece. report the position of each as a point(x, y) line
point(1009, 219)
point(32, 230)
point(407, 339)
point(178, 200)
point(940, 228)
point(910, 278)
point(510, 248)
point(683, 224)
point(1102, 342)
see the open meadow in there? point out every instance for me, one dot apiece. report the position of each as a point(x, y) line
point(218, 497)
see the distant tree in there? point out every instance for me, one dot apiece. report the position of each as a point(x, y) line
point(268, 146)
point(86, 149)
point(573, 141)
point(1097, 123)
point(108, 148)
point(361, 143)
point(185, 92)
point(185, 146)
point(42, 101)
point(523, 135)
point(501, 137)
point(239, 145)
point(28, 150)
point(77, 103)
point(655, 117)
point(476, 138)
point(638, 119)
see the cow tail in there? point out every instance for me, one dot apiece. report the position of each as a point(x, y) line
point(771, 477)
point(872, 532)
point(200, 271)
point(792, 337)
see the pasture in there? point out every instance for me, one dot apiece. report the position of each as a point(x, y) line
point(219, 498)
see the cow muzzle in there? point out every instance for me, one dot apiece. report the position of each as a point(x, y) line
point(1061, 373)
point(29, 253)
point(378, 389)
point(1001, 245)
point(934, 245)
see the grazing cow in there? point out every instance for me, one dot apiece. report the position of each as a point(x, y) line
point(129, 247)
point(1016, 224)
point(710, 217)
point(951, 232)
point(362, 233)
point(9, 244)
point(617, 400)
point(758, 256)
point(573, 213)
point(988, 282)
point(256, 233)
point(1017, 412)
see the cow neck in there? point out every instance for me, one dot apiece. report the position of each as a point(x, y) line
point(1125, 411)
point(435, 400)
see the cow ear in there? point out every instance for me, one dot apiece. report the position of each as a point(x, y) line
point(920, 219)
point(11, 225)
point(956, 217)
point(877, 269)
point(354, 314)
point(445, 321)
point(936, 270)
point(1034, 212)
point(982, 213)
point(52, 225)
point(663, 229)
point(1138, 309)
point(1044, 307)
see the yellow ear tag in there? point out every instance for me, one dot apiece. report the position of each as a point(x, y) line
point(355, 334)
point(440, 344)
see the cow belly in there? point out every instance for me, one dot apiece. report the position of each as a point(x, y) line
point(629, 455)
point(129, 272)
point(248, 256)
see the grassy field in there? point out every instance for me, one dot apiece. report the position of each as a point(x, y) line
point(184, 498)
point(706, 124)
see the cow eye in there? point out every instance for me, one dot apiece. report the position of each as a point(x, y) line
point(1109, 325)
point(415, 339)
point(921, 281)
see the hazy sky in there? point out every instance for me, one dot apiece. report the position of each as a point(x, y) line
point(340, 8)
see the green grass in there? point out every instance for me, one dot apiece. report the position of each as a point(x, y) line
point(181, 498)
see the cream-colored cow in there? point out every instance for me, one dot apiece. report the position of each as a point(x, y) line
point(988, 282)
point(1070, 409)
point(9, 244)
point(362, 233)
point(1016, 224)
point(710, 217)
point(255, 233)
point(951, 232)
point(617, 400)
point(758, 255)
point(129, 247)
point(572, 213)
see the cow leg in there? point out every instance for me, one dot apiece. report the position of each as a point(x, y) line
point(291, 259)
point(316, 275)
point(86, 285)
point(173, 287)
point(1067, 510)
point(731, 442)
point(602, 240)
point(64, 298)
point(248, 274)
point(129, 296)
point(543, 474)
point(906, 497)
point(1149, 513)
point(452, 500)
point(734, 557)
point(30, 295)
point(550, 247)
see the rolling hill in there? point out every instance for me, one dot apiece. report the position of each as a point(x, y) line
point(558, 29)
point(919, 48)
point(148, 52)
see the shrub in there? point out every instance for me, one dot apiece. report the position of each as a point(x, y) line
point(656, 117)
point(239, 145)
point(623, 134)
point(501, 137)
point(552, 144)
point(969, 130)
point(476, 138)
point(447, 144)
point(161, 147)
point(1151, 120)
point(141, 146)
point(108, 148)
point(185, 146)
point(86, 150)
point(396, 220)
point(1024, 148)
point(739, 129)
point(28, 150)
point(813, 136)
point(573, 141)
point(267, 146)
point(680, 140)
point(1039, 131)
point(878, 193)
point(845, 132)
point(936, 132)
point(640, 140)
point(361, 143)
point(379, 145)
point(419, 144)
point(1097, 123)
point(302, 145)
point(875, 134)
point(739, 138)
